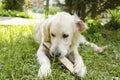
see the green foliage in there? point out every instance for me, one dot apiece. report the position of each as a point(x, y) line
point(54, 10)
point(90, 7)
point(1, 4)
point(93, 22)
point(13, 13)
point(114, 22)
point(18, 59)
point(13, 4)
point(94, 25)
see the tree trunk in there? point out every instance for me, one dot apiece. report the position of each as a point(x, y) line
point(47, 9)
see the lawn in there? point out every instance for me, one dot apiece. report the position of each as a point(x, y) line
point(18, 56)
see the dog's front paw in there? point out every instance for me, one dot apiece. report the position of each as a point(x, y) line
point(44, 71)
point(80, 70)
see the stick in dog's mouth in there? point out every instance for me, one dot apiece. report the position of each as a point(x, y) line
point(67, 63)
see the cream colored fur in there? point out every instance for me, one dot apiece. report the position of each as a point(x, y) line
point(51, 33)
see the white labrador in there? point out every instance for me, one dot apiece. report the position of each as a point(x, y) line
point(62, 33)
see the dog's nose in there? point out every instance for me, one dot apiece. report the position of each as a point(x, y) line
point(58, 54)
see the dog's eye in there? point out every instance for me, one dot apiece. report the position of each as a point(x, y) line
point(53, 35)
point(65, 35)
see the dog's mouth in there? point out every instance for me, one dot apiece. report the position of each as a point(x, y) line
point(56, 52)
point(56, 55)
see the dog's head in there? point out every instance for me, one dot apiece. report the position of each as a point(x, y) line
point(62, 32)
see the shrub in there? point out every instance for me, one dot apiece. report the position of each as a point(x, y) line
point(94, 24)
point(54, 10)
point(13, 4)
point(13, 13)
point(114, 22)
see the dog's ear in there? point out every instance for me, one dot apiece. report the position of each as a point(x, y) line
point(80, 24)
point(46, 31)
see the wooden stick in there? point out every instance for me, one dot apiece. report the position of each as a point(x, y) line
point(68, 64)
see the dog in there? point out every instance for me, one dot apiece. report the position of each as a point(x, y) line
point(62, 32)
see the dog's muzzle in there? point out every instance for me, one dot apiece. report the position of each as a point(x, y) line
point(56, 53)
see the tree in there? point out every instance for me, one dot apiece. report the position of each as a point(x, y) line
point(92, 8)
point(13, 4)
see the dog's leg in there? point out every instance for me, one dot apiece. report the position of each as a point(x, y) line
point(79, 67)
point(96, 48)
point(44, 62)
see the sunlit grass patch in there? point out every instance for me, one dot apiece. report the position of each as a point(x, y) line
point(14, 32)
point(17, 52)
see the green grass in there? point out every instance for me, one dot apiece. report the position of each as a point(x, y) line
point(18, 59)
